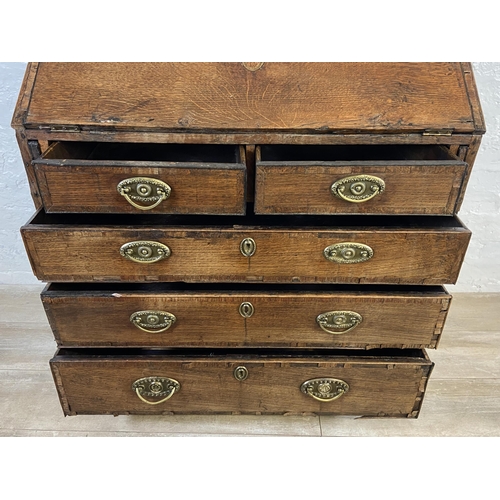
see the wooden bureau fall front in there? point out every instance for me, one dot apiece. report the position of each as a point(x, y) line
point(263, 238)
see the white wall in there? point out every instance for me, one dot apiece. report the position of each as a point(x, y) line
point(16, 205)
point(480, 211)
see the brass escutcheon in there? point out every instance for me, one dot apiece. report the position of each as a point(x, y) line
point(145, 252)
point(339, 322)
point(240, 373)
point(152, 321)
point(155, 387)
point(358, 188)
point(144, 190)
point(324, 389)
point(348, 253)
point(248, 247)
point(246, 309)
point(252, 66)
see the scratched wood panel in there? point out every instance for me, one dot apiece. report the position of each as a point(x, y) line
point(228, 96)
point(425, 255)
point(82, 317)
point(378, 386)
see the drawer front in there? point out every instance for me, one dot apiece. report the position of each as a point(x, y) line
point(214, 184)
point(429, 182)
point(245, 383)
point(431, 255)
point(322, 319)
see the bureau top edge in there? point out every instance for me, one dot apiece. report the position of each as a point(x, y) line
point(312, 99)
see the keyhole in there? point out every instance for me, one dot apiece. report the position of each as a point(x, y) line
point(248, 247)
point(246, 309)
point(240, 373)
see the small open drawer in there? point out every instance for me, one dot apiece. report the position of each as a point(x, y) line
point(364, 179)
point(382, 382)
point(130, 178)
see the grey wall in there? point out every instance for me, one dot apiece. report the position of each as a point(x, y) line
point(480, 211)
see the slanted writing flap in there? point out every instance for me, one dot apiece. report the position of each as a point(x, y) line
point(305, 97)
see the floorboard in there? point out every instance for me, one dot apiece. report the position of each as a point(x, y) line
point(462, 399)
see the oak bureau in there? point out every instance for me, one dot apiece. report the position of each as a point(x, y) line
point(264, 238)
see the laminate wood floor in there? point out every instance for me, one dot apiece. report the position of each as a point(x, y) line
point(462, 399)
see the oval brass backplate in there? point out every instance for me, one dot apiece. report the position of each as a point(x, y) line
point(144, 190)
point(358, 188)
point(248, 247)
point(348, 253)
point(339, 322)
point(240, 373)
point(160, 387)
point(246, 309)
point(324, 389)
point(153, 321)
point(145, 252)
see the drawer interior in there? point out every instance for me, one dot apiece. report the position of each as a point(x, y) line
point(286, 222)
point(117, 151)
point(247, 353)
point(62, 289)
point(386, 152)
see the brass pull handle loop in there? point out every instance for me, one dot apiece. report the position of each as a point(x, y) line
point(145, 190)
point(339, 322)
point(155, 387)
point(325, 389)
point(137, 391)
point(148, 207)
point(358, 188)
point(155, 321)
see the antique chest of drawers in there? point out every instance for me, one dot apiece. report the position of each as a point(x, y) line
point(265, 238)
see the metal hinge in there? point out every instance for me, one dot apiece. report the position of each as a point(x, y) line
point(438, 132)
point(61, 128)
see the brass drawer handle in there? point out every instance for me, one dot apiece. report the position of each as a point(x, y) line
point(348, 253)
point(144, 190)
point(145, 252)
point(152, 321)
point(324, 389)
point(358, 188)
point(339, 322)
point(155, 387)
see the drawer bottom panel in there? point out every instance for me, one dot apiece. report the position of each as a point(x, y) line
point(377, 383)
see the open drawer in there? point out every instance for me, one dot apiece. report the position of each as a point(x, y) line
point(245, 315)
point(362, 179)
point(131, 177)
point(382, 382)
point(416, 250)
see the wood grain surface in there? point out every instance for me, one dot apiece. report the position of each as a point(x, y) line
point(429, 254)
point(298, 180)
point(85, 317)
point(378, 386)
point(83, 177)
point(279, 96)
